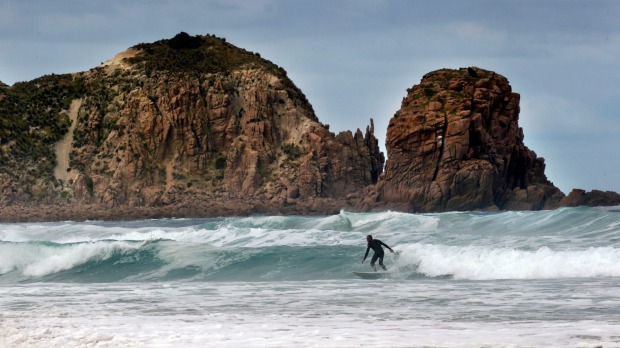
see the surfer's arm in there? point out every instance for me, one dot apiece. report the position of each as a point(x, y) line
point(387, 246)
point(367, 250)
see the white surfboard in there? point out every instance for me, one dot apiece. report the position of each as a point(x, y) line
point(372, 275)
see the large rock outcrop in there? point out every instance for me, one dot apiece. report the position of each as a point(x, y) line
point(455, 144)
point(192, 122)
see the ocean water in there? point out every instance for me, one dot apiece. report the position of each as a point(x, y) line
point(510, 279)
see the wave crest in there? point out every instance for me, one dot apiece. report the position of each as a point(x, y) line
point(485, 263)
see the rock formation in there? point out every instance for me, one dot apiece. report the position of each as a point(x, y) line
point(194, 126)
point(594, 198)
point(190, 121)
point(455, 144)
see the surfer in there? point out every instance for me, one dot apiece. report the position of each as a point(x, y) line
point(375, 245)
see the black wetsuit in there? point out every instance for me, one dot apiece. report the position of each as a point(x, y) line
point(375, 245)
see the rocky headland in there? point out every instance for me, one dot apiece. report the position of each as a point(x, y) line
point(195, 127)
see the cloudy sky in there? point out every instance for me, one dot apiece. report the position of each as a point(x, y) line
point(354, 59)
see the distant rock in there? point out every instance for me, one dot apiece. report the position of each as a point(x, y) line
point(455, 144)
point(594, 198)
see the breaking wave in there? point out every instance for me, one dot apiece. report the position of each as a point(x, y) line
point(563, 243)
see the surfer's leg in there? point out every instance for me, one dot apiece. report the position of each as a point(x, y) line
point(373, 260)
point(381, 263)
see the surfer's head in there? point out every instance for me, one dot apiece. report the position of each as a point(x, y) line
point(369, 238)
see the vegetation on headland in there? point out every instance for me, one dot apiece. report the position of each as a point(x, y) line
point(208, 54)
point(32, 121)
point(197, 55)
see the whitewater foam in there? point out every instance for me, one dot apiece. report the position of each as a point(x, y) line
point(484, 262)
point(304, 314)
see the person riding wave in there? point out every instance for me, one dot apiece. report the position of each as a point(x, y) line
point(375, 245)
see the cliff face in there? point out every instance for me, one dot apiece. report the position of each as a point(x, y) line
point(240, 135)
point(455, 144)
point(195, 118)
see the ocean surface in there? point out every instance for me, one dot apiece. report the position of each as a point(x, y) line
point(509, 279)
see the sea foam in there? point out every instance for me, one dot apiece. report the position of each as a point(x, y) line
point(487, 262)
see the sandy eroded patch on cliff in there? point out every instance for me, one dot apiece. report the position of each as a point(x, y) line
point(118, 62)
point(63, 147)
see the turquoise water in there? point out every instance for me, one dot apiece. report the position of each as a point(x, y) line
point(507, 279)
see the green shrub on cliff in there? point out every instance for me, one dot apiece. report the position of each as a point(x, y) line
point(184, 41)
point(292, 151)
point(220, 162)
point(89, 183)
point(192, 54)
point(32, 121)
